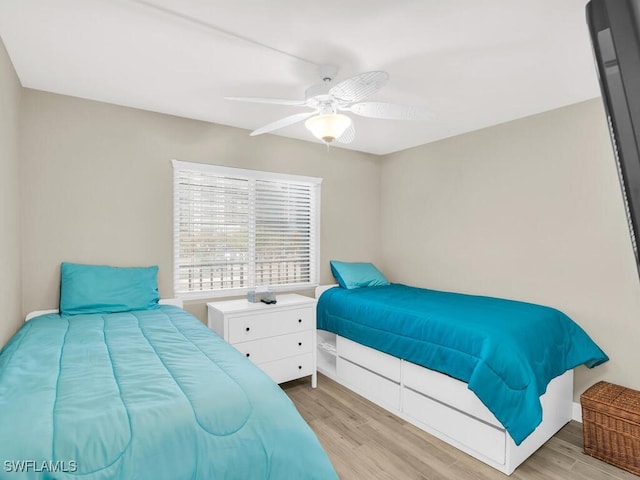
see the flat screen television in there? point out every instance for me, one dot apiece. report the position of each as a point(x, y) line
point(614, 26)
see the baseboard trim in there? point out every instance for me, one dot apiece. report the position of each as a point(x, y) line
point(577, 412)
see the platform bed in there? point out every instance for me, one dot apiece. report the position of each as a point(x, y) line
point(437, 403)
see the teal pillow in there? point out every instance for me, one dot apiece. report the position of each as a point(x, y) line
point(357, 275)
point(104, 289)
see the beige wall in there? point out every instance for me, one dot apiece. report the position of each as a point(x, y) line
point(10, 293)
point(529, 210)
point(97, 184)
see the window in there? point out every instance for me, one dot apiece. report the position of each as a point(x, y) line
point(236, 229)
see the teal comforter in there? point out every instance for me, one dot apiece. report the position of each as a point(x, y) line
point(506, 351)
point(144, 395)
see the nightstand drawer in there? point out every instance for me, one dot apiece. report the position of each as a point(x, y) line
point(274, 348)
point(289, 368)
point(245, 328)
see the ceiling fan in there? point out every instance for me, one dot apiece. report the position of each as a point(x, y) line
point(327, 100)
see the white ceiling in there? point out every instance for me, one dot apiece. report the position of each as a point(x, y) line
point(473, 63)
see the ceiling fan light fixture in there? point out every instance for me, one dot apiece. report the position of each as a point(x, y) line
point(327, 99)
point(327, 127)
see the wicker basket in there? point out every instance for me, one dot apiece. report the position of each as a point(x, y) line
point(611, 425)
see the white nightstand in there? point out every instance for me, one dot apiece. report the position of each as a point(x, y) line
point(279, 338)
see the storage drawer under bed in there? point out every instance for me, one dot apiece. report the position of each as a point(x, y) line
point(481, 437)
point(446, 390)
point(445, 407)
point(368, 384)
point(426, 396)
point(371, 373)
point(383, 364)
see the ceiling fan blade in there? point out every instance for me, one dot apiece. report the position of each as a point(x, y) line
point(348, 136)
point(283, 122)
point(359, 87)
point(273, 101)
point(390, 111)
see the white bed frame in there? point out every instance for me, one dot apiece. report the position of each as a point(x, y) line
point(437, 403)
point(165, 301)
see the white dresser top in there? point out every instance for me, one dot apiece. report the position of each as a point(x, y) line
point(242, 305)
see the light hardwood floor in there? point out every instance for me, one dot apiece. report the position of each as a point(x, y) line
point(365, 442)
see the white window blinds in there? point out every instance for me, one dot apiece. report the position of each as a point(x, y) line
point(236, 229)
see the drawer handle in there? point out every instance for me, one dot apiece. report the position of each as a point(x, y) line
point(299, 367)
point(248, 355)
point(299, 344)
point(299, 320)
point(248, 329)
